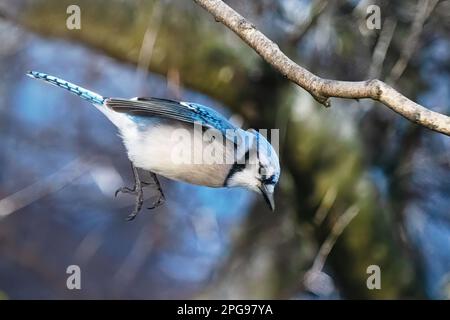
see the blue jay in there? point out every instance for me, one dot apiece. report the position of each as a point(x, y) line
point(146, 126)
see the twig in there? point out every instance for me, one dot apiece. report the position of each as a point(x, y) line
point(424, 9)
point(148, 43)
point(381, 48)
point(315, 273)
point(317, 8)
point(323, 89)
point(327, 202)
point(46, 186)
point(343, 221)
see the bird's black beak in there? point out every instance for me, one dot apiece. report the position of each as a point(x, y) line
point(268, 196)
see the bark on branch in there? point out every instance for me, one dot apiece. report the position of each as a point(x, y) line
point(323, 89)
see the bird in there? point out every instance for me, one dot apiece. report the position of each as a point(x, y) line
point(147, 127)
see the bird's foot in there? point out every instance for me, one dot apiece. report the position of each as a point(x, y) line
point(137, 190)
point(161, 199)
point(125, 190)
point(138, 204)
point(157, 203)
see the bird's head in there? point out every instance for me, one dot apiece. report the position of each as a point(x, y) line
point(260, 171)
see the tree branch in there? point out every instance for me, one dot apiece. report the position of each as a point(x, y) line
point(323, 89)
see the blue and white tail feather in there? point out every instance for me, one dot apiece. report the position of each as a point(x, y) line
point(121, 121)
point(85, 94)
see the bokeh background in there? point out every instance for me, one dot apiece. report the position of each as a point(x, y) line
point(371, 186)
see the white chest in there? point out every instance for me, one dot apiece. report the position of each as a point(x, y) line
point(177, 151)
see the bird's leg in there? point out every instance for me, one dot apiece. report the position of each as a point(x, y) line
point(137, 190)
point(139, 195)
point(127, 189)
point(161, 197)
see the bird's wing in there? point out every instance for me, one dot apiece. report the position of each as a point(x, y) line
point(181, 111)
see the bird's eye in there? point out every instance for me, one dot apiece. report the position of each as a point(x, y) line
point(269, 180)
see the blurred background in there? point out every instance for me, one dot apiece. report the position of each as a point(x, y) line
point(360, 185)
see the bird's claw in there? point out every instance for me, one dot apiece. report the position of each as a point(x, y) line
point(125, 190)
point(131, 216)
point(157, 203)
point(138, 205)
